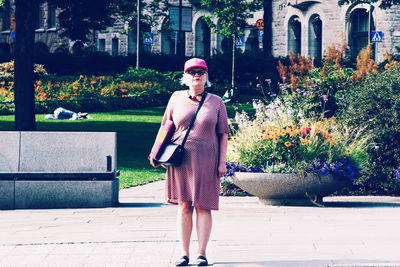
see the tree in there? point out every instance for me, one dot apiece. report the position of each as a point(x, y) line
point(384, 4)
point(267, 37)
point(79, 18)
point(24, 94)
point(231, 16)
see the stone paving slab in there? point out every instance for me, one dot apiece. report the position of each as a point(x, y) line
point(349, 231)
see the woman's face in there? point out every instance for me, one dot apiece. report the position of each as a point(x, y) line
point(197, 76)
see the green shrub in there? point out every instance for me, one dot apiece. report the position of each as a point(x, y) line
point(134, 89)
point(375, 105)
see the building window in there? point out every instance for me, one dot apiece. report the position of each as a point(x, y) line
point(51, 17)
point(294, 35)
point(315, 38)
point(6, 17)
point(252, 41)
point(169, 41)
point(114, 47)
point(40, 16)
point(102, 45)
point(132, 38)
point(361, 24)
point(202, 39)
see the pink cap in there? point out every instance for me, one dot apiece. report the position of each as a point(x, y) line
point(195, 63)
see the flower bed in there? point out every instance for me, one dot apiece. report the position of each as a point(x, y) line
point(135, 88)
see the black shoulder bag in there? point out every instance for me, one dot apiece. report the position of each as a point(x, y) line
point(173, 153)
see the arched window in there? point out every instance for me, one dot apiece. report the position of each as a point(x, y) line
point(252, 41)
point(77, 48)
point(202, 39)
point(294, 35)
point(6, 16)
point(315, 37)
point(360, 24)
point(220, 38)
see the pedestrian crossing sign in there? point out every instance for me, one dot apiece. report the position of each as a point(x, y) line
point(376, 37)
point(240, 41)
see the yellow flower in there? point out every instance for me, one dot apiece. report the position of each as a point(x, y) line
point(275, 139)
point(306, 142)
point(288, 144)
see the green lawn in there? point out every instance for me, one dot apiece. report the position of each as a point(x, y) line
point(136, 130)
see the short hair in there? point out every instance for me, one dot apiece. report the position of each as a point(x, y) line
point(184, 80)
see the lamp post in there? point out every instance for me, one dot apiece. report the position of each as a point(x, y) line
point(137, 33)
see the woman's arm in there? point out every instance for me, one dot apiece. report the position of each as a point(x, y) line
point(223, 145)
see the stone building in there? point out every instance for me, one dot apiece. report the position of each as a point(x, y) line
point(47, 30)
point(197, 39)
point(298, 26)
point(309, 27)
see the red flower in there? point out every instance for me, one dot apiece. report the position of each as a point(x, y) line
point(305, 131)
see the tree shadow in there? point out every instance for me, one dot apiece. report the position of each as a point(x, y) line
point(360, 204)
point(141, 205)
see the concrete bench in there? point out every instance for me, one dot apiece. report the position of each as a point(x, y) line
point(58, 170)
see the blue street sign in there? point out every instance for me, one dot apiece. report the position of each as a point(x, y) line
point(376, 37)
point(148, 38)
point(260, 35)
point(240, 41)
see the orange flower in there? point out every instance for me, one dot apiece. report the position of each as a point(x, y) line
point(93, 82)
point(288, 144)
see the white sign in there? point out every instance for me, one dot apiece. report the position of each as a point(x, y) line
point(240, 41)
point(148, 38)
point(376, 37)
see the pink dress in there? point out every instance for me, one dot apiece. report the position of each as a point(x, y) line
point(196, 180)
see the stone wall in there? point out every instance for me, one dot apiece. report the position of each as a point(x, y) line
point(335, 25)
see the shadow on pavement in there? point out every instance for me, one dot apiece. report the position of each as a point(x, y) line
point(140, 205)
point(312, 263)
point(359, 204)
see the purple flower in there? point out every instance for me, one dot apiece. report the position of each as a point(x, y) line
point(268, 81)
point(397, 174)
point(325, 97)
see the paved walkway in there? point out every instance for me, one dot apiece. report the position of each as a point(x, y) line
point(350, 231)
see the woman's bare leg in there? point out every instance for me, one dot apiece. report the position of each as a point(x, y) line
point(203, 227)
point(185, 225)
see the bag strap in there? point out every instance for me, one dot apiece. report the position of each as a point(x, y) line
point(194, 118)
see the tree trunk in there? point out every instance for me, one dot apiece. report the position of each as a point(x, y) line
point(233, 66)
point(267, 37)
point(24, 95)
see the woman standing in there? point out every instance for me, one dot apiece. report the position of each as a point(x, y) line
point(195, 184)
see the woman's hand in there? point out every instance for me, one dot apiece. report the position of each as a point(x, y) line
point(221, 170)
point(153, 162)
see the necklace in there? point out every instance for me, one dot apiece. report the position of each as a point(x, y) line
point(195, 97)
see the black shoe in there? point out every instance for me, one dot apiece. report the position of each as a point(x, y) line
point(184, 261)
point(202, 261)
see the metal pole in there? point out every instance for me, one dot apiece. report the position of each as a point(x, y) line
point(369, 24)
point(137, 33)
point(180, 46)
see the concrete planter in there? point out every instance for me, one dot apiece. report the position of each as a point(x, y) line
point(287, 188)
